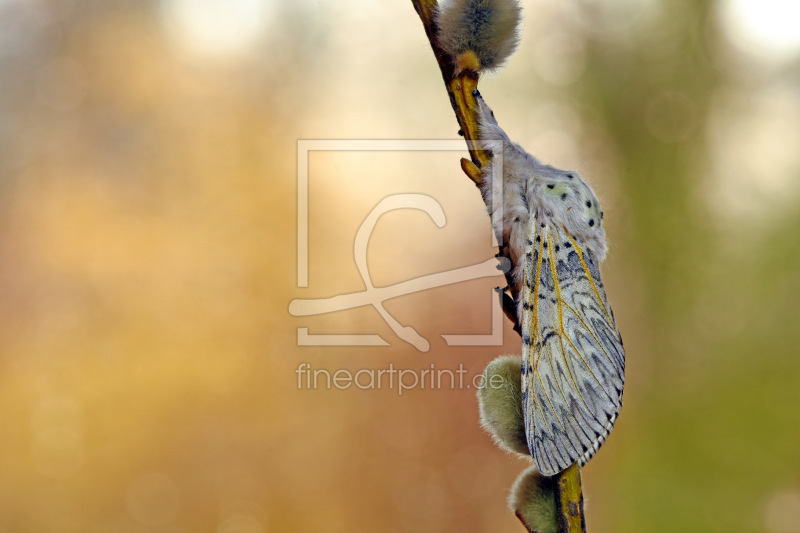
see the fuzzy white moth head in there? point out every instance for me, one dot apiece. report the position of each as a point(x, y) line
point(533, 191)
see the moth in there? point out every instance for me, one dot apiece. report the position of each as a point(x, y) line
point(573, 363)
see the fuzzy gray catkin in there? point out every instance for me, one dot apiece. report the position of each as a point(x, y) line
point(486, 27)
point(533, 500)
point(500, 400)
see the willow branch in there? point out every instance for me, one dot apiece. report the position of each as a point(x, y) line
point(460, 89)
point(569, 501)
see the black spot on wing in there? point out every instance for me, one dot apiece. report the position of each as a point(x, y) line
point(574, 262)
point(546, 338)
point(533, 259)
point(563, 272)
point(571, 269)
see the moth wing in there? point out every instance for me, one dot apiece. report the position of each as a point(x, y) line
point(573, 359)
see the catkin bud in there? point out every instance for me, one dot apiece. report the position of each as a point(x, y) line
point(500, 400)
point(533, 500)
point(486, 28)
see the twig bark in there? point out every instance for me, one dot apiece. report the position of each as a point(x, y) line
point(459, 89)
point(569, 501)
point(569, 497)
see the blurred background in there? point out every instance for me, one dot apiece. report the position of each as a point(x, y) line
point(149, 253)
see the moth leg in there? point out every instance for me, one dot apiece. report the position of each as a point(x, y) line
point(471, 170)
point(509, 308)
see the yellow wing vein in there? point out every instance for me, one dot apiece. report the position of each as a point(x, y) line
point(535, 399)
point(574, 312)
point(555, 378)
point(535, 335)
point(549, 401)
point(534, 308)
point(563, 334)
point(589, 276)
point(591, 372)
point(569, 440)
point(591, 332)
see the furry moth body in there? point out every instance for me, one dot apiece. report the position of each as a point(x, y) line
point(573, 361)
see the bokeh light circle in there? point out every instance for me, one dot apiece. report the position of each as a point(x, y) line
point(215, 28)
